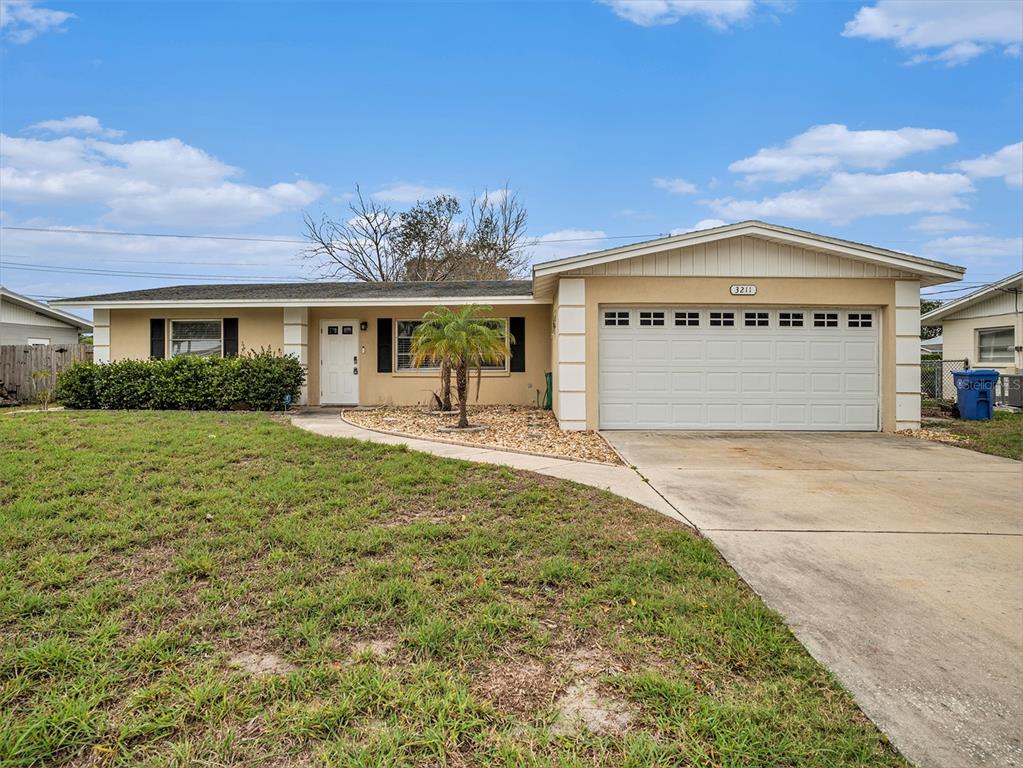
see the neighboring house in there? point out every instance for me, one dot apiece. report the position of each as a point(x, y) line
point(984, 327)
point(746, 326)
point(931, 346)
point(26, 321)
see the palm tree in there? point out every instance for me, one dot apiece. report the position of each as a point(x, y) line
point(429, 344)
point(465, 340)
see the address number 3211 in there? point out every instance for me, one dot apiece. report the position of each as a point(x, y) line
point(743, 290)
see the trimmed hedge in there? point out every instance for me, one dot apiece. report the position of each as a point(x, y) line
point(259, 381)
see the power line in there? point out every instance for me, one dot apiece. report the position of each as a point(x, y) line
point(22, 266)
point(52, 230)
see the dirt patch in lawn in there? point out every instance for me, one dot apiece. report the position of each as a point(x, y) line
point(259, 663)
point(518, 428)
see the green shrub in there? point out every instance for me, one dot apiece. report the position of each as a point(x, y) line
point(76, 386)
point(256, 381)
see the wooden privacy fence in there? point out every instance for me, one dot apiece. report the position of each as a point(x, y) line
point(18, 363)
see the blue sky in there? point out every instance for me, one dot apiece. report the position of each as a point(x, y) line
point(897, 124)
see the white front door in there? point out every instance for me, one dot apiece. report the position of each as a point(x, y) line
point(339, 362)
point(753, 368)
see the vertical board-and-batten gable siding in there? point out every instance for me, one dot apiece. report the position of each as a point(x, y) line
point(999, 303)
point(739, 257)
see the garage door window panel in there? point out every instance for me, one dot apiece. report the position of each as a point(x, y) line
point(825, 319)
point(651, 319)
point(861, 320)
point(722, 319)
point(687, 319)
point(756, 320)
point(616, 318)
point(790, 319)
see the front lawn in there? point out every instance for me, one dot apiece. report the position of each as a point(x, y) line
point(224, 589)
point(1001, 435)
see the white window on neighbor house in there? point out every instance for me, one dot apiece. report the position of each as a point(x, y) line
point(403, 331)
point(203, 338)
point(36, 341)
point(995, 345)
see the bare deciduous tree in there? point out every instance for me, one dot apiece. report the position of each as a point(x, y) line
point(361, 246)
point(430, 241)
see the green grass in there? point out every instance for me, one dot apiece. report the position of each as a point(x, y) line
point(1000, 436)
point(142, 551)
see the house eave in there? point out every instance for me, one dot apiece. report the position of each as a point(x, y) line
point(935, 316)
point(931, 272)
point(325, 302)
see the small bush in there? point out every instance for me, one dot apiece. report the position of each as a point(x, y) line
point(258, 381)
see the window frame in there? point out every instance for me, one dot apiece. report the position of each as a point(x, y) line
point(434, 369)
point(1012, 344)
point(796, 319)
point(687, 318)
point(826, 321)
point(731, 321)
point(657, 318)
point(619, 315)
point(860, 319)
point(170, 335)
point(758, 321)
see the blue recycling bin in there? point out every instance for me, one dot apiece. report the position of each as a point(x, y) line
point(975, 393)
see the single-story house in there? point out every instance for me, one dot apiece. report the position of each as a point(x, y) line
point(27, 321)
point(749, 326)
point(931, 346)
point(984, 327)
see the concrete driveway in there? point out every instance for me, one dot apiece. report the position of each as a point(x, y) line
point(897, 562)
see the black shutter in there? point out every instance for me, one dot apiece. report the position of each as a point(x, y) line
point(157, 337)
point(517, 329)
point(384, 344)
point(230, 337)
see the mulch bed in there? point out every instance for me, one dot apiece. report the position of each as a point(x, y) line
point(519, 428)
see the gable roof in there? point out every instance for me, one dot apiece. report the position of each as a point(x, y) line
point(315, 293)
point(44, 309)
point(930, 272)
point(1010, 284)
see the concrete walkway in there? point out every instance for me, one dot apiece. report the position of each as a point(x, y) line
point(620, 480)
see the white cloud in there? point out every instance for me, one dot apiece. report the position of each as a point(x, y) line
point(942, 224)
point(701, 224)
point(86, 124)
point(406, 192)
point(952, 32)
point(826, 148)
point(22, 21)
point(719, 14)
point(567, 242)
point(1003, 251)
point(161, 182)
point(1006, 163)
point(676, 186)
point(847, 196)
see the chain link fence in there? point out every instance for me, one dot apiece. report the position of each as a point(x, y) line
point(936, 378)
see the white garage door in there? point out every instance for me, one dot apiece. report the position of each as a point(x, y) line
point(738, 368)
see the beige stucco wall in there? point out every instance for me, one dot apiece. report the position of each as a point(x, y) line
point(959, 340)
point(410, 388)
point(807, 292)
point(257, 328)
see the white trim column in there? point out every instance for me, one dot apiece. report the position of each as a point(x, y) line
point(101, 336)
point(907, 354)
point(296, 342)
point(571, 341)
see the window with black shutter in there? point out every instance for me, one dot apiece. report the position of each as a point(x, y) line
point(384, 349)
point(517, 329)
point(157, 337)
point(230, 337)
